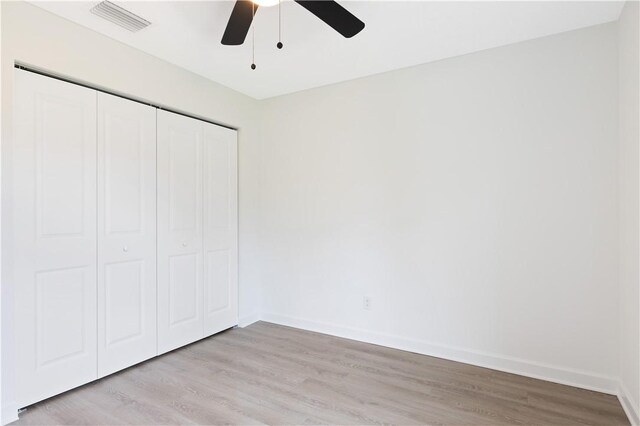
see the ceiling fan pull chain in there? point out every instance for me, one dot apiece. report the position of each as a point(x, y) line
point(279, 45)
point(253, 38)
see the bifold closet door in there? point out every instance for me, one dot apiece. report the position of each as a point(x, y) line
point(126, 233)
point(52, 240)
point(220, 168)
point(197, 230)
point(180, 268)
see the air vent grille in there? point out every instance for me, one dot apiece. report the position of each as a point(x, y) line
point(119, 16)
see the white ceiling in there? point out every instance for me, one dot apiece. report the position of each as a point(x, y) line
point(397, 35)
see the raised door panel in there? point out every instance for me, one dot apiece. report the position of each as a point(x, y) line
point(220, 229)
point(180, 308)
point(52, 211)
point(126, 233)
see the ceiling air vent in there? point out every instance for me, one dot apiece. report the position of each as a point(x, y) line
point(119, 16)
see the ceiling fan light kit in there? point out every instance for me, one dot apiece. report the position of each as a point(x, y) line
point(266, 3)
point(328, 11)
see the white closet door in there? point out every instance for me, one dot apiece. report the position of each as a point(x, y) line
point(53, 238)
point(220, 229)
point(126, 233)
point(180, 307)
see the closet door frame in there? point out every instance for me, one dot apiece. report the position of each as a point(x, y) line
point(187, 247)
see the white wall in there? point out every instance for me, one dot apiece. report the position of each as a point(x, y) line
point(474, 199)
point(628, 89)
point(35, 37)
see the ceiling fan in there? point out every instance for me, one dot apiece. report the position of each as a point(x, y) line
point(334, 15)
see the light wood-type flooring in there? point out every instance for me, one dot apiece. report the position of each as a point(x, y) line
point(272, 374)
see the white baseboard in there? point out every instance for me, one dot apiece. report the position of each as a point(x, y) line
point(629, 406)
point(565, 376)
point(9, 413)
point(248, 319)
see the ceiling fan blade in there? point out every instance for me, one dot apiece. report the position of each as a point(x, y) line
point(334, 15)
point(239, 22)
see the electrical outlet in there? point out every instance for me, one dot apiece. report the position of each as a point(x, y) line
point(367, 302)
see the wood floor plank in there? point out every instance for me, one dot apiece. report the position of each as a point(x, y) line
point(270, 374)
